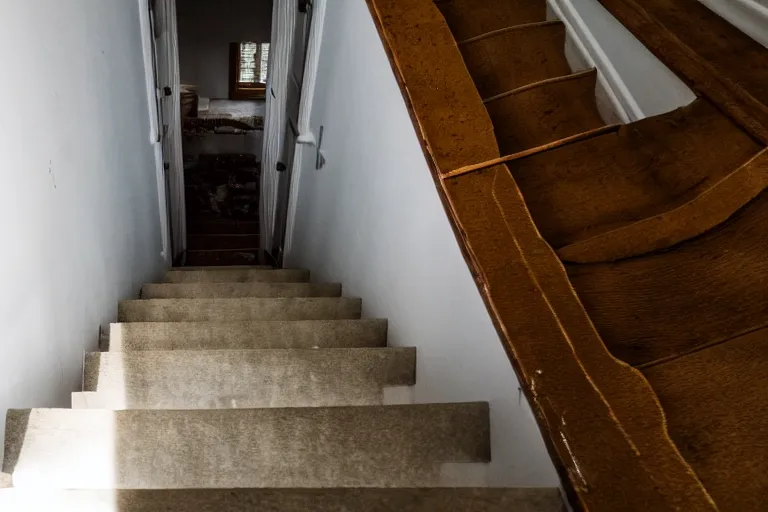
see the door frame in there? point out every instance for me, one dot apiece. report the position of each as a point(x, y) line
point(155, 122)
point(160, 44)
point(306, 136)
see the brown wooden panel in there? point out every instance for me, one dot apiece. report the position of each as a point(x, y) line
point(715, 401)
point(646, 168)
point(508, 59)
point(598, 415)
point(545, 112)
point(705, 290)
point(449, 110)
point(708, 209)
point(555, 347)
point(470, 18)
point(715, 58)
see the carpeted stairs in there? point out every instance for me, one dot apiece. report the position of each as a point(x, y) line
point(243, 388)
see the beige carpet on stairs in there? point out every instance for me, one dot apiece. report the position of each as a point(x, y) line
point(224, 395)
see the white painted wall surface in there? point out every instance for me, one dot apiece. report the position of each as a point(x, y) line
point(79, 215)
point(206, 28)
point(372, 219)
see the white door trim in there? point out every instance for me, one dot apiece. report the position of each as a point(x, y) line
point(168, 71)
point(280, 57)
point(305, 112)
point(154, 126)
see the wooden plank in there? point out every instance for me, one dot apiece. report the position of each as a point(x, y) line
point(646, 168)
point(470, 18)
point(711, 207)
point(715, 405)
point(708, 289)
point(538, 53)
point(545, 112)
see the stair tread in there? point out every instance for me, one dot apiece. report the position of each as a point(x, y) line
point(470, 18)
point(244, 335)
point(238, 290)
point(244, 378)
point(508, 59)
point(646, 168)
point(287, 500)
point(238, 309)
point(236, 275)
point(545, 112)
point(702, 291)
point(706, 210)
point(364, 446)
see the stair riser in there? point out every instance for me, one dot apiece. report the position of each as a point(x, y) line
point(231, 257)
point(248, 335)
point(223, 267)
point(236, 310)
point(223, 228)
point(243, 379)
point(392, 446)
point(238, 290)
point(237, 275)
point(223, 242)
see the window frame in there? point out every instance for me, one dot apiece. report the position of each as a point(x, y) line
point(239, 90)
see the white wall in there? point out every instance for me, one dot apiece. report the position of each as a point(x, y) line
point(372, 220)
point(79, 218)
point(206, 28)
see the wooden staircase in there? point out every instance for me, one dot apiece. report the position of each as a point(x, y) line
point(626, 266)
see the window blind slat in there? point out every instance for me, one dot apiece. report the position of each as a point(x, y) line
point(254, 63)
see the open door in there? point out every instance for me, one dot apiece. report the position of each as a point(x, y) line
point(293, 101)
point(166, 54)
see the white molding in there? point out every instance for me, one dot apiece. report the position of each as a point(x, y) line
point(293, 199)
point(167, 37)
point(749, 16)
point(306, 137)
point(154, 128)
point(310, 70)
point(624, 104)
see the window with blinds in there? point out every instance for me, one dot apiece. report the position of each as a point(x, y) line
point(249, 65)
point(254, 63)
